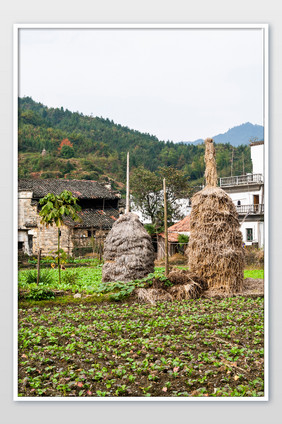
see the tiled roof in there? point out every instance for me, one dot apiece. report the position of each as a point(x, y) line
point(95, 218)
point(172, 237)
point(179, 227)
point(256, 143)
point(82, 189)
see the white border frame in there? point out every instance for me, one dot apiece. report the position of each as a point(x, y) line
point(265, 29)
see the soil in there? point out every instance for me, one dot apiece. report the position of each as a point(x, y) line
point(203, 347)
point(252, 287)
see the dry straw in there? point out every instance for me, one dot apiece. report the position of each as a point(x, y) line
point(152, 295)
point(128, 251)
point(215, 251)
point(186, 285)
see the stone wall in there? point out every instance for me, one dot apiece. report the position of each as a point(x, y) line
point(27, 210)
point(47, 239)
point(40, 237)
point(32, 235)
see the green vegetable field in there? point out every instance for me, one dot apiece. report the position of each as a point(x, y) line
point(101, 348)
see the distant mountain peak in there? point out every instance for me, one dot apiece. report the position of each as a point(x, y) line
point(238, 135)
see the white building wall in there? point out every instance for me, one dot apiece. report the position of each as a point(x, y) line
point(184, 209)
point(258, 233)
point(261, 235)
point(246, 198)
point(257, 156)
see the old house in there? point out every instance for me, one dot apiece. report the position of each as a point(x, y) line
point(181, 227)
point(99, 210)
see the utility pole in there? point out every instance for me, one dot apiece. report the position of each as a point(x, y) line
point(166, 233)
point(232, 159)
point(127, 184)
point(243, 163)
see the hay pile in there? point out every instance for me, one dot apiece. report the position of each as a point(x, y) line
point(152, 295)
point(186, 285)
point(215, 252)
point(128, 251)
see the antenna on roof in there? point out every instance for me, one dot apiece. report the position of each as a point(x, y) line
point(127, 184)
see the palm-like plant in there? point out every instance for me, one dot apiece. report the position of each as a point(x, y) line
point(54, 208)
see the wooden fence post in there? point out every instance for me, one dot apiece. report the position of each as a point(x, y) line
point(166, 232)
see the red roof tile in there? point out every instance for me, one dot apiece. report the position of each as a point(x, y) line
point(182, 226)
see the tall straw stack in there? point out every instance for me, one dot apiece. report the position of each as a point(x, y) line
point(128, 252)
point(215, 251)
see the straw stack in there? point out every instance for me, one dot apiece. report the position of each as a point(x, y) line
point(215, 251)
point(128, 250)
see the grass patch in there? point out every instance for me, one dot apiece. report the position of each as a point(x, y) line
point(88, 281)
point(77, 280)
point(254, 273)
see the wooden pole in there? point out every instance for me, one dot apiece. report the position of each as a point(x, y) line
point(166, 233)
point(38, 265)
point(127, 184)
point(93, 242)
point(232, 159)
point(59, 261)
point(243, 163)
point(100, 245)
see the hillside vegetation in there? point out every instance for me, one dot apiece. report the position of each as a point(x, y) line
point(79, 146)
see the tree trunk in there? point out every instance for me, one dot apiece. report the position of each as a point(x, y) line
point(59, 262)
point(38, 265)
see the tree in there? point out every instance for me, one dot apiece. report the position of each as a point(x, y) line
point(177, 186)
point(64, 142)
point(54, 208)
point(147, 193)
point(67, 152)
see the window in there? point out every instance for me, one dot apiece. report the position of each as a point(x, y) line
point(20, 245)
point(249, 234)
point(89, 233)
point(239, 203)
point(30, 242)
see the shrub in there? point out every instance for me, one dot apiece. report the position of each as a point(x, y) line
point(69, 277)
point(151, 228)
point(183, 239)
point(81, 251)
point(40, 294)
point(67, 152)
point(46, 277)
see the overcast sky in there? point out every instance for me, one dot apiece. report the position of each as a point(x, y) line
point(179, 85)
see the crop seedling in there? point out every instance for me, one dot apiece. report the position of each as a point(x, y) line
point(114, 349)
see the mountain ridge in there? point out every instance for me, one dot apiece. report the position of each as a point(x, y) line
point(236, 136)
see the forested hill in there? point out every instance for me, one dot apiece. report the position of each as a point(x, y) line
point(79, 146)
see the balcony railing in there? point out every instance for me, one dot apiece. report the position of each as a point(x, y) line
point(250, 209)
point(241, 180)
